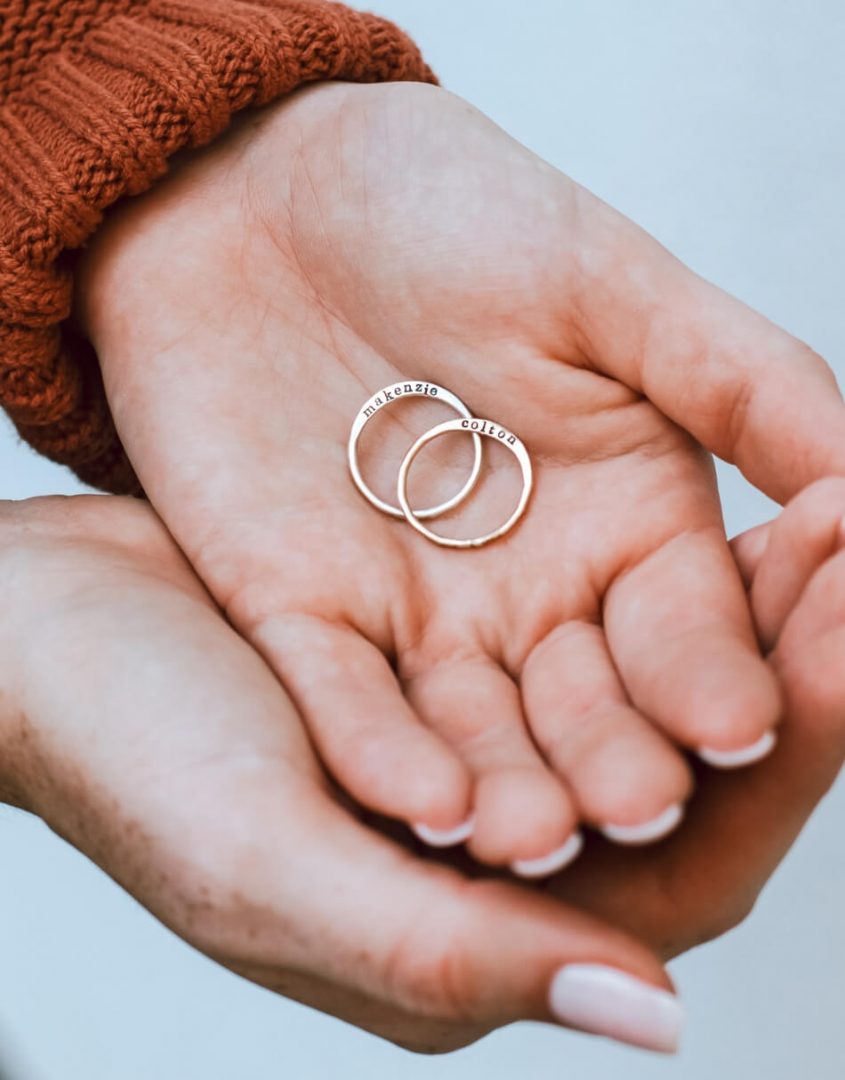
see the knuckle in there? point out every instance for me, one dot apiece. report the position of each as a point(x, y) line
point(735, 418)
point(428, 969)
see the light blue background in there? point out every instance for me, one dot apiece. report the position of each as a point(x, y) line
point(718, 126)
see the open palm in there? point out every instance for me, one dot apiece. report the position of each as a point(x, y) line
point(355, 236)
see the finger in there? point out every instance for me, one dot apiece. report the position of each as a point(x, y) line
point(627, 779)
point(696, 885)
point(438, 948)
point(743, 387)
point(364, 730)
point(819, 615)
point(522, 814)
point(423, 1035)
point(680, 634)
point(807, 533)
point(747, 550)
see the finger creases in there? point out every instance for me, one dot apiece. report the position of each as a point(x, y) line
point(366, 733)
point(522, 811)
point(682, 639)
point(626, 776)
point(548, 961)
point(437, 946)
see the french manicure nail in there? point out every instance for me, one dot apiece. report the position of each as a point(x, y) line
point(551, 863)
point(735, 759)
point(648, 831)
point(442, 838)
point(606, 1001)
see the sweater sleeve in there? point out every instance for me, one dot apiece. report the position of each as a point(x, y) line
point(95, 97)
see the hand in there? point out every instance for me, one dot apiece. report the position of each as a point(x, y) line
point(795, 570)
point(352, 236)
point(704, 880)
point(142, 729)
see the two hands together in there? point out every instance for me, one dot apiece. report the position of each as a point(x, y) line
point(339, 241)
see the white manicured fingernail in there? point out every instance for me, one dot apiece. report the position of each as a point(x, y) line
point(446, 837)
point(551, 863)
point(605, 1001)
point(735, 759)
point(649, 830)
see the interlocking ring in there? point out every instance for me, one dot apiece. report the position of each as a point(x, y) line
point(388, 394)
point(474, 427)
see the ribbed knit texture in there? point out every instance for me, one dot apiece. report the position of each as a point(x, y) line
point(95, 97)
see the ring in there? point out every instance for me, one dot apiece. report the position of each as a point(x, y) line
point(475, 427)
point(374, 405)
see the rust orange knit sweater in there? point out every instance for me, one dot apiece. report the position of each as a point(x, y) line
point(95, 97)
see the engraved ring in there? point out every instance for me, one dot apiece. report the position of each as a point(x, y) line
point(474, 427)
point(409, 388)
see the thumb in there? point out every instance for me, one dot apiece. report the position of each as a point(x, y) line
point(419, 937)
point(747, 390)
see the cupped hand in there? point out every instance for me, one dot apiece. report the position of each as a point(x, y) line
point(145, 731)
point(351, 237)
point(138, 724)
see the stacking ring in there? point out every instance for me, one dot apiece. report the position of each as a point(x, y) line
point(378, 402)
point(475, 427)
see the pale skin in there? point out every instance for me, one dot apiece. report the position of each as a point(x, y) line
point(353, 236)
point(140, 726)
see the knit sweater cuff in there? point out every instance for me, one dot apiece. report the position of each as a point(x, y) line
point(98, 119)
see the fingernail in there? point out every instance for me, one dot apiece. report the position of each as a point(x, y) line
point(551, 863)
point(649, 830)
point(605, 1001)
point(445, 837)
point(735, 759)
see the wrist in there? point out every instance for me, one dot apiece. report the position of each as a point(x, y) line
point(17, 742)
point(54, 553)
